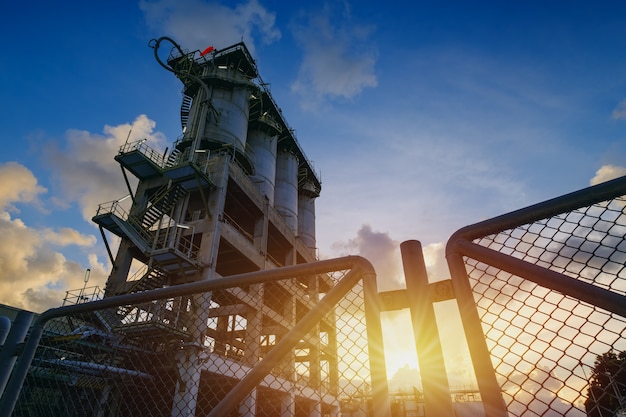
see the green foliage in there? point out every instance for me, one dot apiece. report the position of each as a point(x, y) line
point(607, 387)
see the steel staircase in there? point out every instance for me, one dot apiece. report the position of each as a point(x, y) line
point(185, 107)
point(173, 159)
point(151, 278)
point(161, 203)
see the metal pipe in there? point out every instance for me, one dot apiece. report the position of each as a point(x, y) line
point(437, 398)
point(84, 367)
point(291, 339)
point(584, 291)
point(8, 356)
point(9, 398)
point(490, 390)
point(460, 244)
point(549, 208)
point(375, 347)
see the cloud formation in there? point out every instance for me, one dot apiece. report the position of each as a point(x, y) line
point(18, 185)
point(35, 268)
point(378, 248)
point(84, 168)
point(607, 173)
point(34, 274)
point(196, 24)
point(338, 56)
point(535, 392)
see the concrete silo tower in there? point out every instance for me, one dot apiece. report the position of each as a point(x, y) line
point(235, 194)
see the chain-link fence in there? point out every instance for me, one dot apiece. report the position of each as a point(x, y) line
point(294, 342)
point(548, 284)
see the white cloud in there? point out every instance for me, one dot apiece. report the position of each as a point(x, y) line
point(85, 169)
point(34, 272)
point(534, 392)
point(620, 111)
point(33, 275)
point(338, 60)
point(378, 248)
point(18, 185)
point(607, 173)
point(196, 24)
point(66, 236)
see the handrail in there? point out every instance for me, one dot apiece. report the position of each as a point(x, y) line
point(463, 243)
point(83, 295)
point(565, 203)
point(360, 269)
point(229, 220)
point(141, 146)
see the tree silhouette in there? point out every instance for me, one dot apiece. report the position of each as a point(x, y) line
point(606, 396)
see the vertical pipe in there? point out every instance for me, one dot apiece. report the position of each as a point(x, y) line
point(5, 328)
point(16, 335)
point(13, 388)
point(437, 398)
point(378, 368)
point(490, 390)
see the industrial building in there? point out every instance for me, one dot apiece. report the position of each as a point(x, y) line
point(234, 194)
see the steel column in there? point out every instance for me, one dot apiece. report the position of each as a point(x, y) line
point(437, 397)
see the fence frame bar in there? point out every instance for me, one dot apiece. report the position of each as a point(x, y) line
point(437, 397)
point(461, 244)
point(357, 263)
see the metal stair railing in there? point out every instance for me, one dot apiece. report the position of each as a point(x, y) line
point(157, 157)
point(185, 107)
point(148, 240)
point(147, 278)
point(160, 204)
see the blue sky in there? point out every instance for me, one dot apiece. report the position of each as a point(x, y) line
point(421, 118)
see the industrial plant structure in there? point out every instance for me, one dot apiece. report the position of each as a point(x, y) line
point(235, 194)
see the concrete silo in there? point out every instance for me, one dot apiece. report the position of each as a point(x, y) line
point(262, 148)
point(286, 189)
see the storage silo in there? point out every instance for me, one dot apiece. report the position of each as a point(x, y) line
point(306, 213)
point(229, 100)
point(262, 144)
point(286, 188)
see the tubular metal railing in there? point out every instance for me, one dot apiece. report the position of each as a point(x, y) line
point(541, 293)
point(245, 346)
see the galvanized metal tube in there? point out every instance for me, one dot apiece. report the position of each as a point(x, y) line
point(291, 339)
point(437, 397)
point(263, 147)
point(13, 382)
point(375, 347)
point(549, 208)
point(460, 244)
point(18, 376)
point(589, 293)
point(490, 390)
point(306, 219)
point(286, 188)
point(232, 104)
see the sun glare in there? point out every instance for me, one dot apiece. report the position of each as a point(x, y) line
point(398, 341)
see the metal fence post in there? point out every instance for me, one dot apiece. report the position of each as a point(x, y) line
point(378, 367)
point(490, 390)
point(437, 398)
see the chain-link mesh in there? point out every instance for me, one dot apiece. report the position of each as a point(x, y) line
point(548, 348)
point(182, 356)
